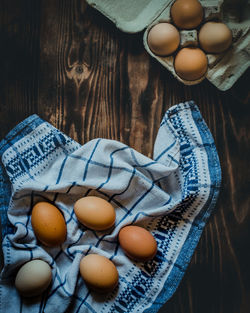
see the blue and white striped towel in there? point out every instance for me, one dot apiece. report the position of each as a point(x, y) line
point(171, 195)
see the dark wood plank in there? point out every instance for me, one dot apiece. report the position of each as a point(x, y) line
point(66, 62)
point(19, 61)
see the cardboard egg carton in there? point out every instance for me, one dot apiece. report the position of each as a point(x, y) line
point(223, 69)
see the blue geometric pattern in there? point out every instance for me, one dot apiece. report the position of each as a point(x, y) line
point(171, 195)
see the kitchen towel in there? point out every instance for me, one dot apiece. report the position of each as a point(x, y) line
point(171, 195)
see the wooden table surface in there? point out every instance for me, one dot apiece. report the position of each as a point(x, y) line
point(66, 62)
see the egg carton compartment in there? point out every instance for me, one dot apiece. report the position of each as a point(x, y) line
point(212, 9)
point(223, 68)
point(188, 38)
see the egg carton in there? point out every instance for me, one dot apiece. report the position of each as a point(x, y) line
point(223, 69)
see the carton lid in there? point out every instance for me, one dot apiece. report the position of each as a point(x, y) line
point(130, 16)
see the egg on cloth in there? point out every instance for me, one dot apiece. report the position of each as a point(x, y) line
point(186, 14)
point(215, 37)
point(190, 63)
point(48, 224)
point(33, 278)
point(137, 243)
point(163, 39)
point(99, 273)
point(95, 213)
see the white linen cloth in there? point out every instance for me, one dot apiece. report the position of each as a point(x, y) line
point(171, 195)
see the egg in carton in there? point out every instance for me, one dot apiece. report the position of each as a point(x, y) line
point(223, 68)
point(188, 38)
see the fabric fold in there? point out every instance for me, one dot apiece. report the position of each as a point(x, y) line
point(171, 195)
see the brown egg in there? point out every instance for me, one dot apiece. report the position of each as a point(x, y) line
point(186, 14)
point(99, 273)
point(137, 243)
point(95, 213)
point(215, 37)
point(190, 63)
point(48, 224)
point(163, 39)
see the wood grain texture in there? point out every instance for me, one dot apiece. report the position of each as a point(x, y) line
point(70, 65)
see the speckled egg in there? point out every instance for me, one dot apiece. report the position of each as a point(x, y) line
point(48, 224)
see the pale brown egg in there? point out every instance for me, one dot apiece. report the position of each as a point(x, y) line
point(137, 243)
point(95, 213)
point(163, 39)
point(215, 37)
point(187, 14)
point(99, 273)
point(48, 224)
point(33, 278)
point(190, 63)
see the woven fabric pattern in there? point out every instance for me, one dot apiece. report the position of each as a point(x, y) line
point(171, 195)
